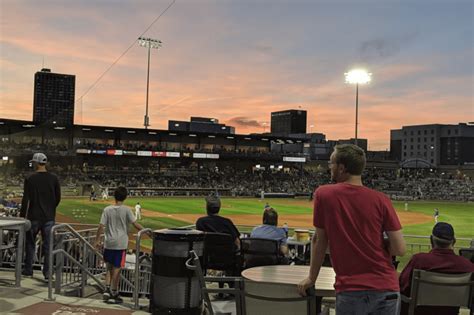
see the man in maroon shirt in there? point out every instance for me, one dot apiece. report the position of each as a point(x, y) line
point(440, 259)
point(352, 218)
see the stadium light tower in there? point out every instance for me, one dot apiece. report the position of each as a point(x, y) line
point(149, 43)
point(357, 76)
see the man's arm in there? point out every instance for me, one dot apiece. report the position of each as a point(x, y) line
point(138, 226)
point(100, 230)
point(237, 242)
point(405, 277)
point(319, 244)
point(396, 243)
point(57, 189)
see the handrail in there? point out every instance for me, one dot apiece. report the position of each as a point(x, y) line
point(137, 266)
point(87, 245)
point(52, 252)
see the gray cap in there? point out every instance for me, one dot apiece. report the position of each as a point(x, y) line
point(39, 158)
point(213, 201)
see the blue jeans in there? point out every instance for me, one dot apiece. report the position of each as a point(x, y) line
point(45, 228)
point(368, 302)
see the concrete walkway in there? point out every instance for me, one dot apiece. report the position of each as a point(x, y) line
point(31, 299)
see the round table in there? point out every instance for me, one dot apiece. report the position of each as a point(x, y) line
point(292, 275)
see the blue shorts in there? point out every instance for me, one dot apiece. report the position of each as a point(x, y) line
point(115, 257)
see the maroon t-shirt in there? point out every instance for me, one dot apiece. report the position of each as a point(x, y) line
point(354, 218)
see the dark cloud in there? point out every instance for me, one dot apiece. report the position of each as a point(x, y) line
point(244, 121)
point(380, 48)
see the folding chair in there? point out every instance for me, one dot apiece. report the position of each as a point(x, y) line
point(220, 253)
point(269, 299)
point(260, 252)
point(439, 289)
point(194, 264)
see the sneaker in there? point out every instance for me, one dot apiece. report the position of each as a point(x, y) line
point(106, 295)
point(27, 273)
point(115, 299)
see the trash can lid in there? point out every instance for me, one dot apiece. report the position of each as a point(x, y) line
point(178, 234)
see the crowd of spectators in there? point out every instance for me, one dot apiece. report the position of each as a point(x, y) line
point(399, 184)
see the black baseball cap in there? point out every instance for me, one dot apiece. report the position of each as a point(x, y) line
point(443, 231)
point(213, 201)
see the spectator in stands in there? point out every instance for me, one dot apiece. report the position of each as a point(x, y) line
point(440, 259)
point(352, 218)
point(270, 230)
point(215, 223)
point(41, 196)
point(115, 220)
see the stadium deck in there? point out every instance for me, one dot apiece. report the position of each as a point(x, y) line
point(30, 299)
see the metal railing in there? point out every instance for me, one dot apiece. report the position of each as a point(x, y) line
point(142, 279)
point(76, 261)
point(73, 257)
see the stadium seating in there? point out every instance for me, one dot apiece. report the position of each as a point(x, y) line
point(439, 289)
point(260, 252)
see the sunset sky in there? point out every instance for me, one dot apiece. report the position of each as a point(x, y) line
point(240, 60)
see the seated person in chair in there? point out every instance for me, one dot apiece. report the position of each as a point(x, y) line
point(213, 222)
point(270, 230)
point(440, 259)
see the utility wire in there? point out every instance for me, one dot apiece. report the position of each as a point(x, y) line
point(123, 54)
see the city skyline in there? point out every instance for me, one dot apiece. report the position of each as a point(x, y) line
point(239, 61)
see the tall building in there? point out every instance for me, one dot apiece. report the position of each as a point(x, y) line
point(200, 124)
point(288, 122)
point(433, 144)
point(54, 98)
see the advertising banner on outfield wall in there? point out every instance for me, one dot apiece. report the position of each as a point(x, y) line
point(83, 151)
point(129, 152)
point(102, 152)
point(294, 159)
point(205, 156)
point(114, 152)
point(144, 153)
point(172, 154)
point(159, 154)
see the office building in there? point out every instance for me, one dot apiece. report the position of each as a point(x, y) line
point(288, 122)
point(53, 100)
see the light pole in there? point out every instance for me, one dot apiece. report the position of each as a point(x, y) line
point(357, 76)
point(149, 43)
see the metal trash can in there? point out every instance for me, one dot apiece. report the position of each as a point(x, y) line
point(174, 288)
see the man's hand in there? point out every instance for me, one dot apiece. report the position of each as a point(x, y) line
point(97, 244)
point(304, 285)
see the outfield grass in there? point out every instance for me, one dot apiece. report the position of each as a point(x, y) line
point(460, 215)
point(94, 211)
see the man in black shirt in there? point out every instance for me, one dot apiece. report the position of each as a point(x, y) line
point(41, 196)
point(213, 222)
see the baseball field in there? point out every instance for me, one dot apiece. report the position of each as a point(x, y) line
point(166, 212)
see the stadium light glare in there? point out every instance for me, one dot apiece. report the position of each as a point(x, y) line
point(155, 44)
point(357, 76)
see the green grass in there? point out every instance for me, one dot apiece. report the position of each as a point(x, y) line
point(460, 215)
point(175, 205)
point(93, 211)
